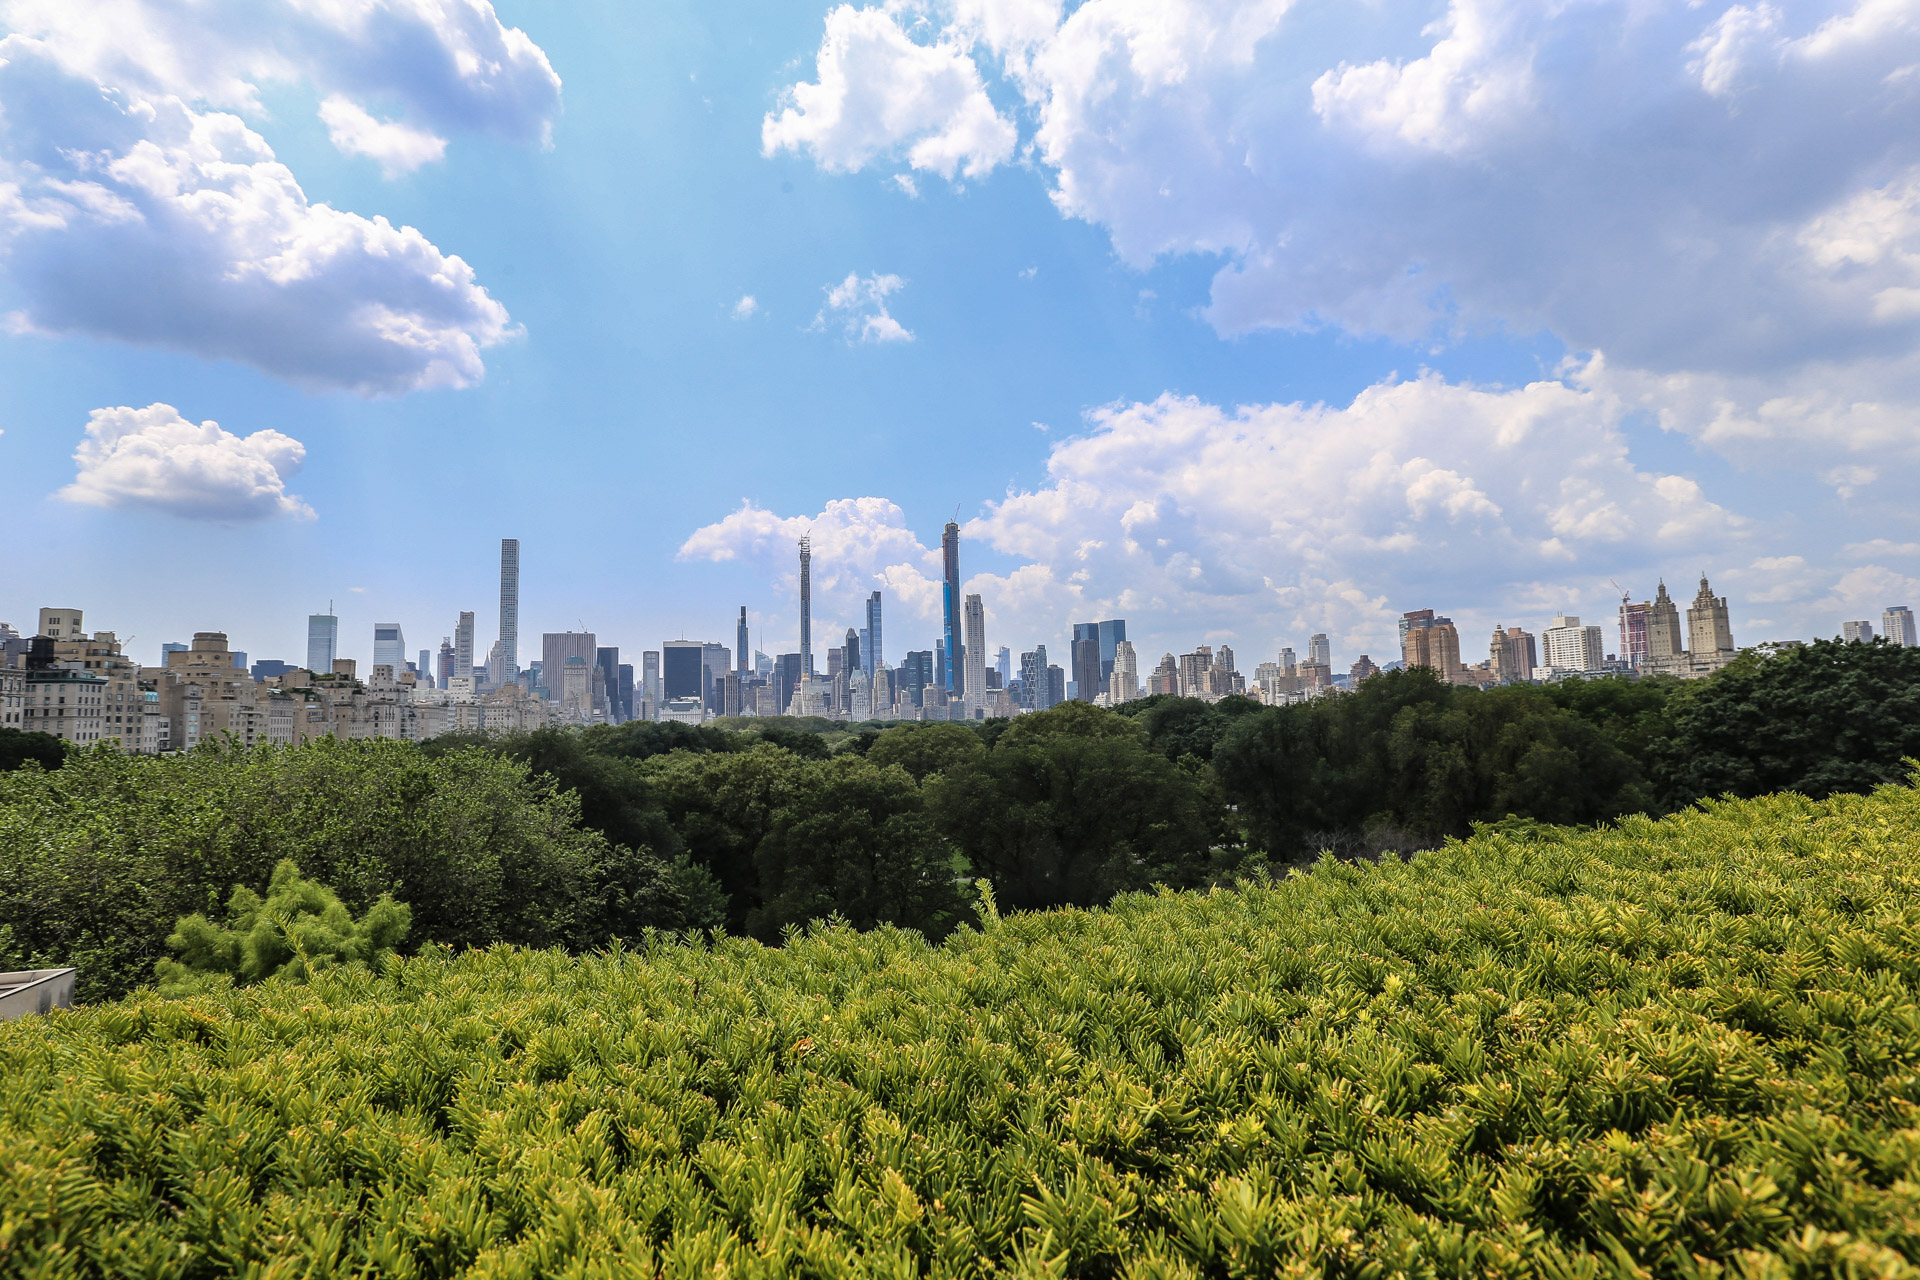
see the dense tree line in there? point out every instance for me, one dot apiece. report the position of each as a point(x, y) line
point(579, 837)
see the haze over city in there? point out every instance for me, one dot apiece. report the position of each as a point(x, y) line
point(1243, 322)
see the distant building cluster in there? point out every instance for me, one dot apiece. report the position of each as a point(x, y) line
point(83, 688)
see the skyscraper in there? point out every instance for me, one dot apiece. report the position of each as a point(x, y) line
point(806, 604)
point(1665, 651)
point(463, 646)
point(1633, 631)
point(323, 641)
point(850, 657)
point(1085, 660)
point(975, 676)
point(509, 646)
point(444, 671)
point(1003, 663)
point(681, 670)
point(650, 681)
point(953, 679)
point(1123, 681)
point(1896, 624)
point(1112, 632)
point(1319, 650)
point(1861, 631)
point(607, 658)
point(555, 648)
point(425, 669)
point(743, 653)
point(1570, 647)
point(389, 647)
point(1035, 691)
point(874, 660)
point(1709, 634)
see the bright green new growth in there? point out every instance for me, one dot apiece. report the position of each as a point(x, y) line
point(301, 929)
point(1684, 1048)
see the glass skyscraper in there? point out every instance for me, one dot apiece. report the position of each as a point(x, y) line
point(951, 676)
point(323, 642)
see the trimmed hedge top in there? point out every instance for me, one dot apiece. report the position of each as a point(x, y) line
point(1679, 1048)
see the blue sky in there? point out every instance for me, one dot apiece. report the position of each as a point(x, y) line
point(1239, 320)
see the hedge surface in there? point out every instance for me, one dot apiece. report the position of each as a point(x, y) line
point(1679, 1048)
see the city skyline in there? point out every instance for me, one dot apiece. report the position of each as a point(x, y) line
point(1255, 408)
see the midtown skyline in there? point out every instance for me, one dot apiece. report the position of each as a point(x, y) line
point(1397, 307)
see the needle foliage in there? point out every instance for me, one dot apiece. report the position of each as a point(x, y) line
point(1686, 1047)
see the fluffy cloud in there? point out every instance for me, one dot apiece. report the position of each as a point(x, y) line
point(156, 459)
point(860, 304)
point(138, 204)
point(1262, 524)
point(396, 148)
point(880, 92)
point(1723, 198)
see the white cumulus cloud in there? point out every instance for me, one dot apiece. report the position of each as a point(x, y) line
point(397, 148)
point(157, 459)
point(859, 303)
point(880, 92)
point(139, 200)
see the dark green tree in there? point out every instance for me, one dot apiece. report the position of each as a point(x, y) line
point(924, 749)
point(723, 806)
point(1071, 807)
point(1824, 717)
point(855, 840)
point(18, 746)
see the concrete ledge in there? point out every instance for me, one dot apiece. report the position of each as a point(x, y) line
point(35, 991)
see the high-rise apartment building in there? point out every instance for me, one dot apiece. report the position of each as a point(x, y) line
point(1633, 631)
point(1666, 648)
point(389, 646)
point(974, 679)
point(916, 673)
point(1166, 677)
point(1287, 662)
point(1112, 632)
point(1428, 640)
point(443, 671)
point(1572, 648)
point(1123, 678)
point(951, 677)
point(1709, 635)
point(323, 642)
point(1861, 631)
point(1320, 650)
point(506, 664)
point(806, 604)
point(1035, 691)
point(1513, 655)
point(742, 650)
point(786, 681)
point(850, 656)
point(623, 675)
point(874, 651)
point(61, 624)
point(1896, 624)
point(463, 646)
point(425, 669)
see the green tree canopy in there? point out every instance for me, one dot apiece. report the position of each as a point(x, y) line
point(1818, 719)
point(18, 746)
point(1072, 811)
point(855, 840)
point(299, 929)
point(926, 749)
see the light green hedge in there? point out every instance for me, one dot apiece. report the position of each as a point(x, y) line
point(1685, 1048)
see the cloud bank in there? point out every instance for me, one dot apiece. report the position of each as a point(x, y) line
point(1261, 524)
point(138, 204)
point(1722, 198)
point(154, 458)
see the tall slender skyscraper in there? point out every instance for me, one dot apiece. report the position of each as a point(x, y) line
point(389, 647)
point(323, 641)
point(950, 607)
point(872, 656)
point(975, 653)
point(742, 654)
point(806, 604)
point(509, 612)
point(463, 645)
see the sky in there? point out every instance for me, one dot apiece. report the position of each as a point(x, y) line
point(1239, 319)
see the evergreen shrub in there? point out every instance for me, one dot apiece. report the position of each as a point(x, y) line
point(1686, 1047)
